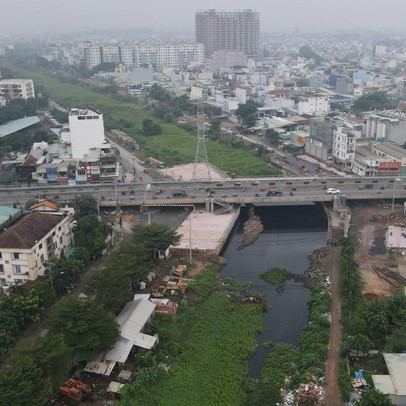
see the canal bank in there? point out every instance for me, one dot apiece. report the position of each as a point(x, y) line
point(291, 234)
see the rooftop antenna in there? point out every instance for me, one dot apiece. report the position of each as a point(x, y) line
point(201, 151)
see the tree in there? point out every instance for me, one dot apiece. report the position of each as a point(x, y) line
point(22, 384)
point(63, 272)
point(155, 236)
point(308, 53)
point(49, 353)
point(109, 287)
point(45, 294)
point(84, 205)
point(360, 342)
point(104, 67)
point(397, 340)
point(151, 128)
point(247, 113)
point(373, 101)
point(272, 136)
point(91, 233)
point(87, 327)
point(374, 398)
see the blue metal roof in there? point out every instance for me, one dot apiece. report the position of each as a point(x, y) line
point(17, 125)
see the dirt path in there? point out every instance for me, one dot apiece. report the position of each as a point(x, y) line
point(333, 395)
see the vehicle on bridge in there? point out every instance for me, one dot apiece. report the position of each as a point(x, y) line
point(274, 193)
point(333, 191)
point(179, 193)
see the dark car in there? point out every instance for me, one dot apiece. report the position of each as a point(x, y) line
point(274, 193)
point(179, 193)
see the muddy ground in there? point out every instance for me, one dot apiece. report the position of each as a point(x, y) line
point(369, 223)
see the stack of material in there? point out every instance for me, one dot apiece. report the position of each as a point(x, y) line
point(311, 394)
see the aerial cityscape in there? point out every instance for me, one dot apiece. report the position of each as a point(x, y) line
point(203, 204)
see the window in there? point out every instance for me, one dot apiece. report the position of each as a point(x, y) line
point(60, 239)
point(16, 255)
point(59, 228)
point(1, 268)
point(1, 256)
point(17, 268)
point(40, 246)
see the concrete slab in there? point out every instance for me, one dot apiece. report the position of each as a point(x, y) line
point(205, 231)
point(185, 172)
point(396, 237)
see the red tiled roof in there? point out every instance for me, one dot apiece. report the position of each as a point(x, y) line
point(278, 91)
point(29, 229)
point(44, 203)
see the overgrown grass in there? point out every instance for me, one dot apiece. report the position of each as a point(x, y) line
point(175, 146)
point(276, 276)
point(206, 346)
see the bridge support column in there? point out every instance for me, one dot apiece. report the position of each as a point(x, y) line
point(207, 205)
point(211, 206)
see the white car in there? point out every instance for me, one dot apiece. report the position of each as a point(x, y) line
point(333, 191)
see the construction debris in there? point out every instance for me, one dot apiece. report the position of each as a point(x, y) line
point(389, 276)
point(310, 394)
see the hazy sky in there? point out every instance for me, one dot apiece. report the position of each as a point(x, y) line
point(55, 16)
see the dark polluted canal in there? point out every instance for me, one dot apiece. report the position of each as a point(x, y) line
point(290, 235)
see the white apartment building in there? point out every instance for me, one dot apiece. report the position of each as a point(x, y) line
point(179, 55)
point(313, 106)
point(110, 54)
point(86, 131)
point(127, 54)
point(344, 146)
point(168, 55)
point(17, 88)
point(34, 240)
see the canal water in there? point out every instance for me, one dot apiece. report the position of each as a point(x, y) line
point(291, 234)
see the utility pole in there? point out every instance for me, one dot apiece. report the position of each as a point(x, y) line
point(190, 237)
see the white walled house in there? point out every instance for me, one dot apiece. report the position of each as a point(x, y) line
point(86, 131)
point(344, 146)
point(313, 106)
point(31, 242)
point(17, 88)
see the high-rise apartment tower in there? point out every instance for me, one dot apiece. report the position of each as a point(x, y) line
point(228, 31)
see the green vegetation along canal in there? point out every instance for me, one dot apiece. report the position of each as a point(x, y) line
point(291, 234)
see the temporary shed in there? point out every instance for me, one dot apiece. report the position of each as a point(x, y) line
point(393, 384)
point(131, 320)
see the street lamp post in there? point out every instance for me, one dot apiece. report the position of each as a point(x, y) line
point(393, 195)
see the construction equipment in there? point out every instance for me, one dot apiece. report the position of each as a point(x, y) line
point(75, 390)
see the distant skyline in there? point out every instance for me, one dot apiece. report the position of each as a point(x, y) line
point(52, 17)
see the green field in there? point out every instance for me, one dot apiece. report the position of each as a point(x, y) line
point(174, 146)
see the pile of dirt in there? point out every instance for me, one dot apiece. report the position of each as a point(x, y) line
point(253, 227)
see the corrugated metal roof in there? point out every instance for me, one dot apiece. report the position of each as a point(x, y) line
point(17, 125)
point(396, 364)
point(133, 318)
point(383, 383)
point(120, 351)
point(100, 367)
point(145, 341)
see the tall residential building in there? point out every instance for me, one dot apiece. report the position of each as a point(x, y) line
point(178, 55)
point(127, 54)
point(110, 54)
point(228, 31)
point(17, 88)
point(93, 56)
point(86, 131)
